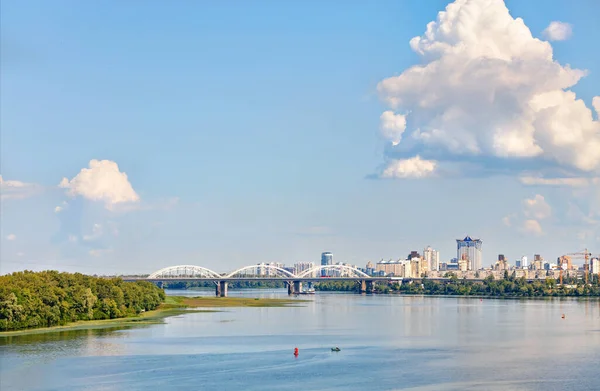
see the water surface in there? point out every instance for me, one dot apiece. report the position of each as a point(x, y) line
point(387, 342)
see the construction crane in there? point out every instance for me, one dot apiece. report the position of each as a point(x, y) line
point(585, 254)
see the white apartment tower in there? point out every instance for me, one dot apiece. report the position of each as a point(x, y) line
point(432, 257)
point(469, 250)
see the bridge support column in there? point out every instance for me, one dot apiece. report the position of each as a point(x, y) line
point(297, 286)
point(159, 284)
point(223, 288)
point(362, 288)
point(290, 287)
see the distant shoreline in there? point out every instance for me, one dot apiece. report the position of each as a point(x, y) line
point(579, 298)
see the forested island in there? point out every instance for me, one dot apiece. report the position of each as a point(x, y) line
point(45, 299)
point(506, 287)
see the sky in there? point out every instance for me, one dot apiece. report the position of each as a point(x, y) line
point(223, 134)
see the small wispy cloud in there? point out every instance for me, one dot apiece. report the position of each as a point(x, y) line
point(558, 31)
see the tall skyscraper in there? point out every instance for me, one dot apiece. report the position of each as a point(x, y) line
point(470, 250)
point(432, 257)
point(326, 260)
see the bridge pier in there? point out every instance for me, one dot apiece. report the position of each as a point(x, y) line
point(294, 287)
point(362, 287)
point(221, 289)
point(365, 286)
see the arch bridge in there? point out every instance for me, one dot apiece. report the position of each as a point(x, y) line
point(264, 272)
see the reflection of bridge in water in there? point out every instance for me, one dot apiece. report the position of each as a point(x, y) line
point(264, 272)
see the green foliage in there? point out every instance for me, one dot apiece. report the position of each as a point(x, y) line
point(337, 286)
point(508, 287)
point(44, 299)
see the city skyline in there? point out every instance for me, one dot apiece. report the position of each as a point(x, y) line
point(234, 136)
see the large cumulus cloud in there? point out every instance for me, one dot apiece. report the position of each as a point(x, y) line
point(487, 90)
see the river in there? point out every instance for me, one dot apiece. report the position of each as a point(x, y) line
point(387, 343)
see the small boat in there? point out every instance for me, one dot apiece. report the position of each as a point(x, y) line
point(336, 349)
point(309, 292)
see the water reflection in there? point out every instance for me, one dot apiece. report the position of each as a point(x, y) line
point(388, 342)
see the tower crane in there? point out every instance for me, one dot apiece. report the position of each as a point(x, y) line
point(585, 254)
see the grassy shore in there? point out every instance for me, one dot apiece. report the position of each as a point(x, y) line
point(173, 306)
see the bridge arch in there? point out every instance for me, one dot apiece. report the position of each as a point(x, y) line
point(343, 270)
point(260, 269)
point(184, 271)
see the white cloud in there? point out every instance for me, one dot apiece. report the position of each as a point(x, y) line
point(536, 208)
point(61, 207)
point(485, 87)
point(72, 238)
point(596, 105)
point(507, 220)
point(532, 227)
point(102, 181)
point(540, 181)
point(558, 31)
point(17, 189)
point(11, 237)
point(20, 254)
point(392, 126)
point(96, 233)
point(409, 168)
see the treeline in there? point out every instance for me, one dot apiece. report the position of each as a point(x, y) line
point(44, 299)
point(337, 286)
point(507, 287)
point(230, 285)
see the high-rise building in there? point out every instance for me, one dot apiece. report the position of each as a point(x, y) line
point(369, 269)
point(300, 267)
point(595, 265)
point(564, 262)
point(469, 250)
point(326, 260)
point(432, 257)
point(413, 254)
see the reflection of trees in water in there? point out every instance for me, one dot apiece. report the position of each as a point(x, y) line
point(98, 342)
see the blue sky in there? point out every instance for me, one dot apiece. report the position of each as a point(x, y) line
point(250, 131)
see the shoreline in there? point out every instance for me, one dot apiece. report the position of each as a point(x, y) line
point(588, 298)
point(173, 306)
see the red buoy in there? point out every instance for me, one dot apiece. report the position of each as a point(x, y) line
point(296, 352)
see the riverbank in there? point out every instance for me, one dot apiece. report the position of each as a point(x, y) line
point(173, 306)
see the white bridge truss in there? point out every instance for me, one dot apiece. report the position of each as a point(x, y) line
point(333, 271)
point(184, 271)
point(261, 270)
point(256, 271)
